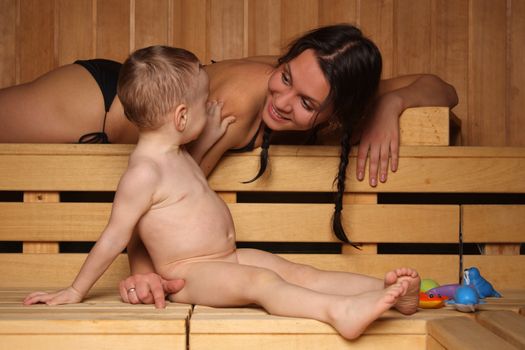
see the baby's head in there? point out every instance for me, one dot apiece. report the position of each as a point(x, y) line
point(155, 80)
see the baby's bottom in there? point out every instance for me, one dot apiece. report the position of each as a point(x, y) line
point(277, 285)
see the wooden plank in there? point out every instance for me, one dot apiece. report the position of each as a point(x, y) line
point(449, 54)
point(51, 271)
point(463, 333)
point(447, 175)
point(264, 28)
point(422, 169)
point(191, 14)
point(424, 127)
point(8, 43)
point(295, 23)
point(93, 341)
point(304, 342)
point(151, 23)
point(238, 321)
point(503, 271)
point(494, 223)
point(376, 19)
point(487, 73)
point(36, 38)
point(59, 270)
point(75, 30)
point(226, 29)
point(515, 103)
point(412, 44)
point(433, 344)
point(254, 222)
point(506, 324)
point(40, 247)
point(113, 29)
point(337, 11)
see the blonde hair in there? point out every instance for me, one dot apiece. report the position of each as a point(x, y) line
point(153, 81)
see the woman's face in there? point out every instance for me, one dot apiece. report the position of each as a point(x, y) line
point(296, 92)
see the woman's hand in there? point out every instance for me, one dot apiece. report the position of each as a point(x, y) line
point(380, 140)
point(148, 288)
point(64, 296)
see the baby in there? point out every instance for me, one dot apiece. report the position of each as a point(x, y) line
point(187, 229)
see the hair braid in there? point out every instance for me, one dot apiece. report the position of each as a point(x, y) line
point(264, 154)
point(337, 225)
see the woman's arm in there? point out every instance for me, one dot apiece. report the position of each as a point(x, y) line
point(379, 140)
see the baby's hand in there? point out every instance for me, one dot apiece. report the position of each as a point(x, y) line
point(215, 127)
point(64, 296)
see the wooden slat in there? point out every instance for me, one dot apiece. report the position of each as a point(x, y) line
point(190, 13)
point(8, 43)
point(411, 36)
point(464, 333)
point(417, 173)
point(422, 169)
point(93, 341)
point(515, 118)
point(487, 73)
point(419, 127)
point(261, 222)
point(304, 342)
point(43, 246)
point(151, 23)
point(36, 35)
point(504, 271)
point(113, 29)
point(226, 40)
point(264, 28)
point(59, 270)
point(494, 223)
point(51, 271)
point(506, 324)
point(75, 30)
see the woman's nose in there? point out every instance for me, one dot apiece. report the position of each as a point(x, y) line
point(283, 101)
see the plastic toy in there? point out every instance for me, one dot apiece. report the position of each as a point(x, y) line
point(473, 278)
point(447, 290)
point(427, 283)
point(466, 299)
point(431, 301)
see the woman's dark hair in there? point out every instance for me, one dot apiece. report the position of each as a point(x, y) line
point(352, 65)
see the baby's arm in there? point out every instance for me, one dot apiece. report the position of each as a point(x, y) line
point(132, 199)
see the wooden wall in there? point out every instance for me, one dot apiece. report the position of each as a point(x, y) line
point(477, 45)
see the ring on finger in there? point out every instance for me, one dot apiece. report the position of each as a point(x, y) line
point(131, 290)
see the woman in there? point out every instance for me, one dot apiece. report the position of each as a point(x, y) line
point(329, 76)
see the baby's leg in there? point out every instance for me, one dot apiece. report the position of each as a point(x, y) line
point(221, 284)
point(409, 302)
point(330, 282)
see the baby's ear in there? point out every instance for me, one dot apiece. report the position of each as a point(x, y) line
point(180, 117)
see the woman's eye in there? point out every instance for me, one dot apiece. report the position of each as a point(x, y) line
point(306, 105)
point(284, 78)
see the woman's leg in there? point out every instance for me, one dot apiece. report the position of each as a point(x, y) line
point(223, 284)
point(60, 106)
point(334, 282)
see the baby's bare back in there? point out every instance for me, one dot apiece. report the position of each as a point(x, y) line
point(189, 221)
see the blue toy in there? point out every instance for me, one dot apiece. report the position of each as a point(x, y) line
point(466, 299)
point(472, 278)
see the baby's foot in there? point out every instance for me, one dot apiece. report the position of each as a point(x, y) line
point(408, 303)
point(358, 311)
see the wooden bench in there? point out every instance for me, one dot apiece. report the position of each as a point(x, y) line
point(57, 197)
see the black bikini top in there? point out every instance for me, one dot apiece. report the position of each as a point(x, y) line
point(250, 146)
